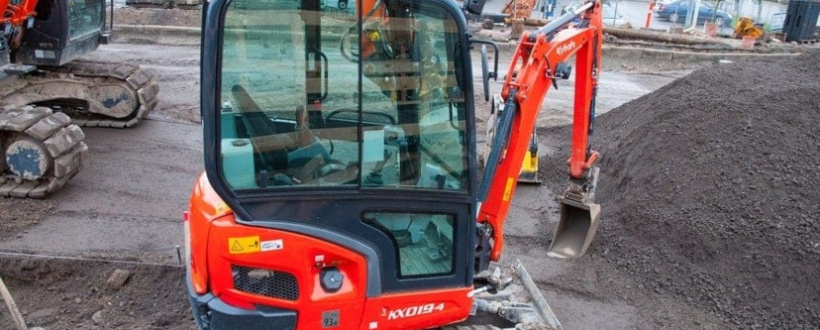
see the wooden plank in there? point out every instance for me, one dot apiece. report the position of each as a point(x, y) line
point(15, 313)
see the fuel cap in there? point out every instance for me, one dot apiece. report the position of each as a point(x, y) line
point(331, 279)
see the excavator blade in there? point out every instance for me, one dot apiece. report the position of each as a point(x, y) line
point(575, 230)
point(515, 298)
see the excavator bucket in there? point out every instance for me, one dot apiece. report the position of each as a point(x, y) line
point(575, 230)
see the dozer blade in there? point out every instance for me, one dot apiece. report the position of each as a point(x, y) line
point(515, 298)
point(575, 230)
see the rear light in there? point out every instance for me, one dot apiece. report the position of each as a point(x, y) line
point(661, 7)
point(198, 281)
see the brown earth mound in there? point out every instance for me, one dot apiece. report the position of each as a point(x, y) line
point(709, 189)
point(77, 294)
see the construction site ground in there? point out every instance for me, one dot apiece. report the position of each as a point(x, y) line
point(124, 211)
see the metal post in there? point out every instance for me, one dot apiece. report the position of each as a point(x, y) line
point(15, 313)
point(615, 15)
point(759, 10)
point(649, 14)
point(693, 15)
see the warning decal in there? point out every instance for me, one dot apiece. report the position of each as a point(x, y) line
point(240, 245)
point(508, 190)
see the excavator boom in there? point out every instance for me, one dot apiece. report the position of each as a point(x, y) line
point(539, 61)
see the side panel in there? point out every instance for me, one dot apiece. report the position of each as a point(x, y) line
point(418, 310)
point(251, 266)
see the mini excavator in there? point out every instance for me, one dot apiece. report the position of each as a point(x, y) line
point(341, 186)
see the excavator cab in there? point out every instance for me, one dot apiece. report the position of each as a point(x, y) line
point(61, 31)
point(340, 167)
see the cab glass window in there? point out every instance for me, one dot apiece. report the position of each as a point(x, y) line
point(319, 96)
point(84, 17)
point(424, 240)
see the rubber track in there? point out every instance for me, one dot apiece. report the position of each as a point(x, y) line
point(131, 76)
point(55, 131)
point(470, 327)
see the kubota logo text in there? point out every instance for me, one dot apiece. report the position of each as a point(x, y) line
point(568, 47)
point(415, 311)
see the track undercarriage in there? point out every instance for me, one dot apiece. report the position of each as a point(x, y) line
point(41, 143)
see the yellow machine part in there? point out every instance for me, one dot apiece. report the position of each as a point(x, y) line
point(529, 169)
point(746, 28)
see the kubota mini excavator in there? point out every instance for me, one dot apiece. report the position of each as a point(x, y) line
point(46, 92)
point(341, 187)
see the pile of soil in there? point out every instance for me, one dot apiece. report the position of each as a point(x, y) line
point(79, 295)
point(709, 191)
point(157, 16)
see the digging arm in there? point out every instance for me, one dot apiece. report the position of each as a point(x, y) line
point(539, 62)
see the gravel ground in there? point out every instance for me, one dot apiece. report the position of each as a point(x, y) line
point(19, 215)
point(711, 198)
point(720, 268)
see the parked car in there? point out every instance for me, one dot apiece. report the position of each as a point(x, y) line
point(338, 4)
point(662, 3)
point(609, 15)
point(678, 11)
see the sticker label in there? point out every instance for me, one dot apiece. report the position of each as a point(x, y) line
point(508, 190)
point(330, 319)
point(242, 245)
point(272, 245)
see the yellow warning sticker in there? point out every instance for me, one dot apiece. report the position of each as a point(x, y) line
point(241, 245)
point(508, 189)
point(221, 207)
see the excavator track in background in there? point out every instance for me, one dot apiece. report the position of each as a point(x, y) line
point(93, 94)
point(40, 150)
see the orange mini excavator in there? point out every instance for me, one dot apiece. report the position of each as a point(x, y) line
point(341, 186)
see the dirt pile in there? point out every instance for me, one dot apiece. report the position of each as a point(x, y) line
point(710, 191)
point(80, 296)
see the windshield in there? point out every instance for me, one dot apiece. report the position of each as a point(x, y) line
point(84, 17)
point(305, 103)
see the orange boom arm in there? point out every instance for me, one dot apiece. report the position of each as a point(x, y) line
point(539, 62)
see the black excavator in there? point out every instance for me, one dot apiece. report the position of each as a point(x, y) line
point(47, 92)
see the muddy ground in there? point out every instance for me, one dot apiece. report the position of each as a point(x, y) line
point(127, 205)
